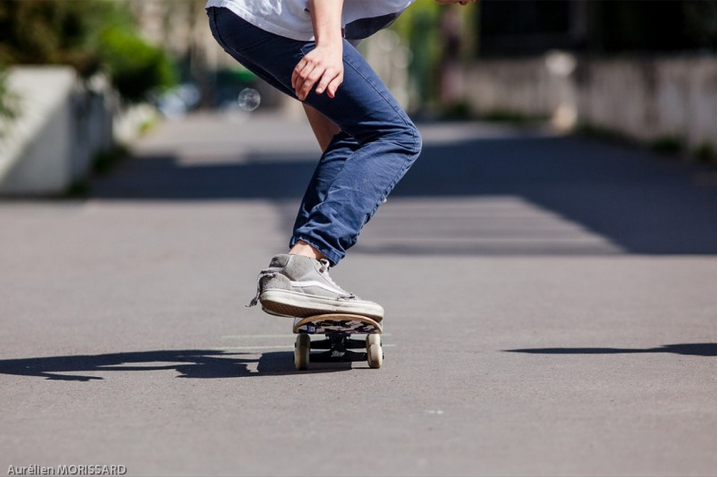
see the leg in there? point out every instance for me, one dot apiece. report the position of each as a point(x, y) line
point(360, 167)
point(329, 166)
point(379, 145)
point(324, 130)
point(375, 146)
point(364, 109)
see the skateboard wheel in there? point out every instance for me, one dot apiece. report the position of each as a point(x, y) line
point(302, 348)
point(374, 353)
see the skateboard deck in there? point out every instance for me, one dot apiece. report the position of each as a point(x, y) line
point(337, 323)
point(338, 345)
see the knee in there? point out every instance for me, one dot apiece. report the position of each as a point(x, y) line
point(400, 136)
point(409, 139)
point(418, 141)
point(413, 141)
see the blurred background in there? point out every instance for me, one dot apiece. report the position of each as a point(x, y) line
point(643, 71)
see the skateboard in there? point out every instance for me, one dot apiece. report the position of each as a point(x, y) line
point(338, 343)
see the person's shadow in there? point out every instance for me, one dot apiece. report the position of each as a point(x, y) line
point(688, 349)
point(197, 364)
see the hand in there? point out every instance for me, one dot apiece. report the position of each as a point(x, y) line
point(449, 2)
point(324, 67)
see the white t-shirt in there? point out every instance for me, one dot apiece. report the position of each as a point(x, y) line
point(291, 18)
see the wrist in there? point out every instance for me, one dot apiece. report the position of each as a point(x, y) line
point(332, 39)
point(328, 36)
point(327, 22)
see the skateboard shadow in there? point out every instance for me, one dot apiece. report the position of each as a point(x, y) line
point(689, 349)
point(190, 364)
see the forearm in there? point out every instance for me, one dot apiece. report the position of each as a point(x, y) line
point(327, 21)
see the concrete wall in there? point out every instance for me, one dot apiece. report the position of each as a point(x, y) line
point(60, 127)
point(643, 98)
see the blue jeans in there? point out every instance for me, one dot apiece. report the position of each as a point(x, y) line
point(377, 144)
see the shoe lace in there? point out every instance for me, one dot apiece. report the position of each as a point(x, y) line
point(324, 270)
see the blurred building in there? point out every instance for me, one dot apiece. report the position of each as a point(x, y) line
point(642, 70)
point(524, 27)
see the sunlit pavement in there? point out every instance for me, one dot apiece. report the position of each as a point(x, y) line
point(551, 310)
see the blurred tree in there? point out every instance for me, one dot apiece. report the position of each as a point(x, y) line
point(135, 66)
point(91, 36)
point(425, 28)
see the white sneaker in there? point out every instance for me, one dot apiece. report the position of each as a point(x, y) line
point(298, 286)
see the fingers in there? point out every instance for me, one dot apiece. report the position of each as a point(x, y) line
point(334, 85)
point(295, 73)
point(306, 79)
point(300, 76)
point(301, 71)
point(329, 82)
point(309, 73)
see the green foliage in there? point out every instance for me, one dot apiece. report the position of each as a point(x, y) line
point(457, 111)
point(668, 145)
point(9, 102)
point(107, 160)
point(134, 66)
point(705, 153)
point(103, 162)
point(90, 35)
point(79, 189)
point(47, 32)
point(420, 27)
point(605, 134)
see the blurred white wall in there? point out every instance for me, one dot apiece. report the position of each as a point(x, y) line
point(60, 127)
point(651, 98)
point(646, 98)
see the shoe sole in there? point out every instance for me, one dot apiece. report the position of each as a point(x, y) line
point(295, 305)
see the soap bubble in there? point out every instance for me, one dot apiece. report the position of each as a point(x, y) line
point(249, 99)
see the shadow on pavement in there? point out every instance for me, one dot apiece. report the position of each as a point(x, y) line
point(636, 201)
point(690, 349)
point(197, 364)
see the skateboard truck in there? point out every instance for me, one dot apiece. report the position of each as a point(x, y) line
point(338, 345)
point(338, 349)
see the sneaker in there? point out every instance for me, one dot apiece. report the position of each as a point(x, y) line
point(297, 286)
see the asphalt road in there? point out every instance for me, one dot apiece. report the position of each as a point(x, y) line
point(551, 310)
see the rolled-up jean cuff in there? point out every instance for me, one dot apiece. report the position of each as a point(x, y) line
point(320, 246)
